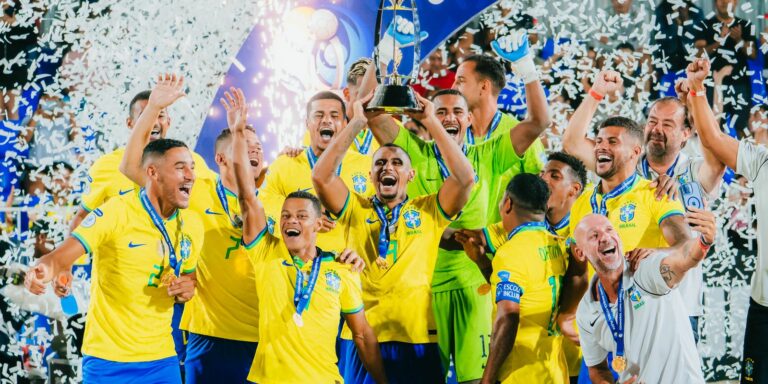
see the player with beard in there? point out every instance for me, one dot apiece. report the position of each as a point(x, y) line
point(667, 131)
point(326, 118)
point(398, 235)
point(145, 248)
point(461, 299)
point(637, 314)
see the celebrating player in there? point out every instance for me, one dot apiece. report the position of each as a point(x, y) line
point(145, 248)
point(638, 316)
point(528, 271)
point(398, 236)
point(302, 289)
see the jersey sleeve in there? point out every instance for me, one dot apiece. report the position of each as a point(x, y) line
point(196, 234)
point(513, 276)
point(591, 350)
point(201, 167)
point(100, 225)
point(534, 157)
point(273, 194)
point(418, 149)
point(98, 181)
point(495, 237)
point(351, 292)
point(442, 220)
point(259, 248)
point(665, 208)
point(648, 276)
point(751, 160)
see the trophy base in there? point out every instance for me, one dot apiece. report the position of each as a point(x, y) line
point(394, 99)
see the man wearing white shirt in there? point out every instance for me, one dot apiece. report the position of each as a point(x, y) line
point(638, 315)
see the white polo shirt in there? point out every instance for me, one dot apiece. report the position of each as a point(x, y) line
point(752, 163)
point(686, 171)
point(658, 343)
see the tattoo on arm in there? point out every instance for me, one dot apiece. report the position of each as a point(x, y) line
point(668, 274)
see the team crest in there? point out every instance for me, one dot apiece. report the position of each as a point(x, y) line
point(333, 281)
point(627, 212)
point(749, 368)
point(636, 298)
point(185, 247)
point(89, 220)
point(412, 218)
point(504, 275)
point(271, 225)
point(359, 183)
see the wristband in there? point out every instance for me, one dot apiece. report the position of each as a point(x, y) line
point(704, 245)
point(701, 93)
point(595, 95)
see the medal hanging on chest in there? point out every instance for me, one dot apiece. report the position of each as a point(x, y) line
point(302, 293)
point(615, 325)
point(387, 230)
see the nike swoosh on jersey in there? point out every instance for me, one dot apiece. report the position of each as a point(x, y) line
point(121, 192)
point(369, 221)
point(133, 245)
point(304, 189)
point(592, 323)
point(209, 212)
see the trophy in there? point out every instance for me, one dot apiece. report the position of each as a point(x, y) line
point(393, 94)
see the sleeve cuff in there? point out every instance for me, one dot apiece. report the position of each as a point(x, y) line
point(256, 240)
point(352, 311)
point(670, 214)
point(442, 212)
point(188, 271)
point(85, 207)
point(488, 242)
point(336, 216)
point(82, 242)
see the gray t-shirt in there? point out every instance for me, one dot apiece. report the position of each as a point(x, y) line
point(752, 163)
point(658, 343)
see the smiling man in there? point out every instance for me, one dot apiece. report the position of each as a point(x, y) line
point(145, 248)
point(398, 236)
point(326, 118)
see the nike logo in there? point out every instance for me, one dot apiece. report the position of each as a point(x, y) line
point(592, 323)
point(370, 221)
point(430, 179)
point(304, 189)
point(121, 192)
point(132, 245)
point(209, 212)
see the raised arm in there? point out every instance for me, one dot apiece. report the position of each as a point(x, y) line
point(254, 218)
point(168, 89)
point(714, 141)
point(55, 264)
point(454, 192)
point(515, 49)
point(575, 140)
point(384, 128)
point(502, 338)
point(330, 188)
point(692, 251)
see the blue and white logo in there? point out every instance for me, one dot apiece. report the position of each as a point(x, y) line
point(89, 220)
point(627, 212)
point(271, 225)
point(359, 182)
point(412, 218)
point(503, 275)
point(333, 280)
point(186, 248)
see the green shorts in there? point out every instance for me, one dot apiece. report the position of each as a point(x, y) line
point(463, 318)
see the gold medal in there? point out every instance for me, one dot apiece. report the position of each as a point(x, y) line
point(484, 289)
point(298, 320)
point(382, 263)
point(168, 279)
point(619, 364)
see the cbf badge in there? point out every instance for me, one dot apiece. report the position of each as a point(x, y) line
point(412, 218)
point(627, 212)
point(185, 247)
point(89, 220)
point(359, 183)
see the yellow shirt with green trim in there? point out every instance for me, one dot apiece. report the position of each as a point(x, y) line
point(105, 180)
point(398, 298)
point(291, 174)
point(636, 214)
point(288, 353)
point(364, 143)
point(528, 270)
point(225, 304)
point(129, 316)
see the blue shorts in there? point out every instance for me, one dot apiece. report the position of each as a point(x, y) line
point(403, 363)
point(214, 360)
point(163, 371)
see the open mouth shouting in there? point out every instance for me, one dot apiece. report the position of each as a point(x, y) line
point(452, 129)
point(185, 190)
point(326, 134)
point(291, 232)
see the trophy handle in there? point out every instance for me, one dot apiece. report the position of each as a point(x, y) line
point(416, 42)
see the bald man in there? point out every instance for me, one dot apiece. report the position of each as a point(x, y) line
point(638, 315)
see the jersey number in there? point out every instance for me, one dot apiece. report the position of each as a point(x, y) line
point(555, 282)
point(154, 277)
point(233, 247)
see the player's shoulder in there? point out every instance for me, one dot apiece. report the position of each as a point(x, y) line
point(202, 170)
point(193, 221)
point(108, 162)
point(358, 159)
point(286, 162)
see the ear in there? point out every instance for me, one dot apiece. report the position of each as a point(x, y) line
point(219, 158)
point(129, 122)
point(577, 253)
point(346, 94)
point(318, 223)
point(508, 204)
point(411, 174)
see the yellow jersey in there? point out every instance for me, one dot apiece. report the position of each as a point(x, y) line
point(105, 180)
point(528, 270)
point(287, 352)
point(225, 305)
point(364, 143)
point(129, 316)
point(397, 298)
point(635, 213)
point(290, 174)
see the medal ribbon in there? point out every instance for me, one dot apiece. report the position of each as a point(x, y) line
point(223, 199)
point(531, 225)
point(302, 294)
point(313, 159)
point(158, 222)
point(615, 324)
point(494, 124)
point(621, 188)
point(560, 225)
point(365, 146)
point(646, 167)
point(387, 226)
point(444, 172)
